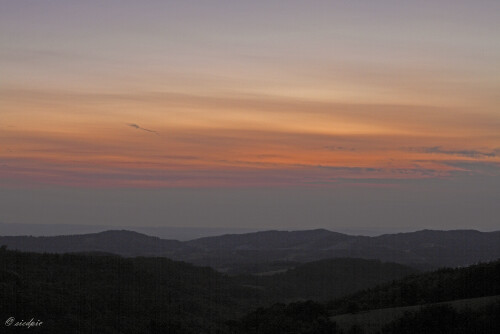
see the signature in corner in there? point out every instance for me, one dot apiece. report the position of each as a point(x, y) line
point(27, 324)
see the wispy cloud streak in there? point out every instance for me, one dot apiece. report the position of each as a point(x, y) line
point(463, 153)
point(135, 126)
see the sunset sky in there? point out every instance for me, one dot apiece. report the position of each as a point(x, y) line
point(268, 114)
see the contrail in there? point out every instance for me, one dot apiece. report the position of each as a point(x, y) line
point(135, 126)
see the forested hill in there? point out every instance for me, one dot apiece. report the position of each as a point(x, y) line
point(74, 293)
point(237, 253)
point(99, 293)
point(438, 286)
point(327, 279)
point(424, 249)
point(125, 243)
point(89, 293)
point(377, 310)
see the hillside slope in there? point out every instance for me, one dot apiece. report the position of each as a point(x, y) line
point(278, 250)
point(452, 301)
point(326, 279)
point(125, 243)
point(439, 286)
point(108, 294)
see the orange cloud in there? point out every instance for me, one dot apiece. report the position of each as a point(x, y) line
point(231, 140)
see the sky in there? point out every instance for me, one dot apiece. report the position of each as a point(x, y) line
point(256, 114)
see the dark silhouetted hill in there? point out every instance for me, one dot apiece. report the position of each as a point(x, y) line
point(438, 286)
point(327, 279)
point(74, 293)
point(278, 250)
point(125, 243)
point(267, 240)
point(423, 249)
point(446, 301)
point(109, 294)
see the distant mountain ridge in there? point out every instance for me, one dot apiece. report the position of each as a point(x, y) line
point(125, 243)
point(165, 232)
point(424, 249)
point(265, 240)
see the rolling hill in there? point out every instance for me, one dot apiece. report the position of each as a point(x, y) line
point(442, 285)
point(278, 250)
point(326, 279)
point(124, 243)
point(456, 301)
point(103, 293)
point(75, 293)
